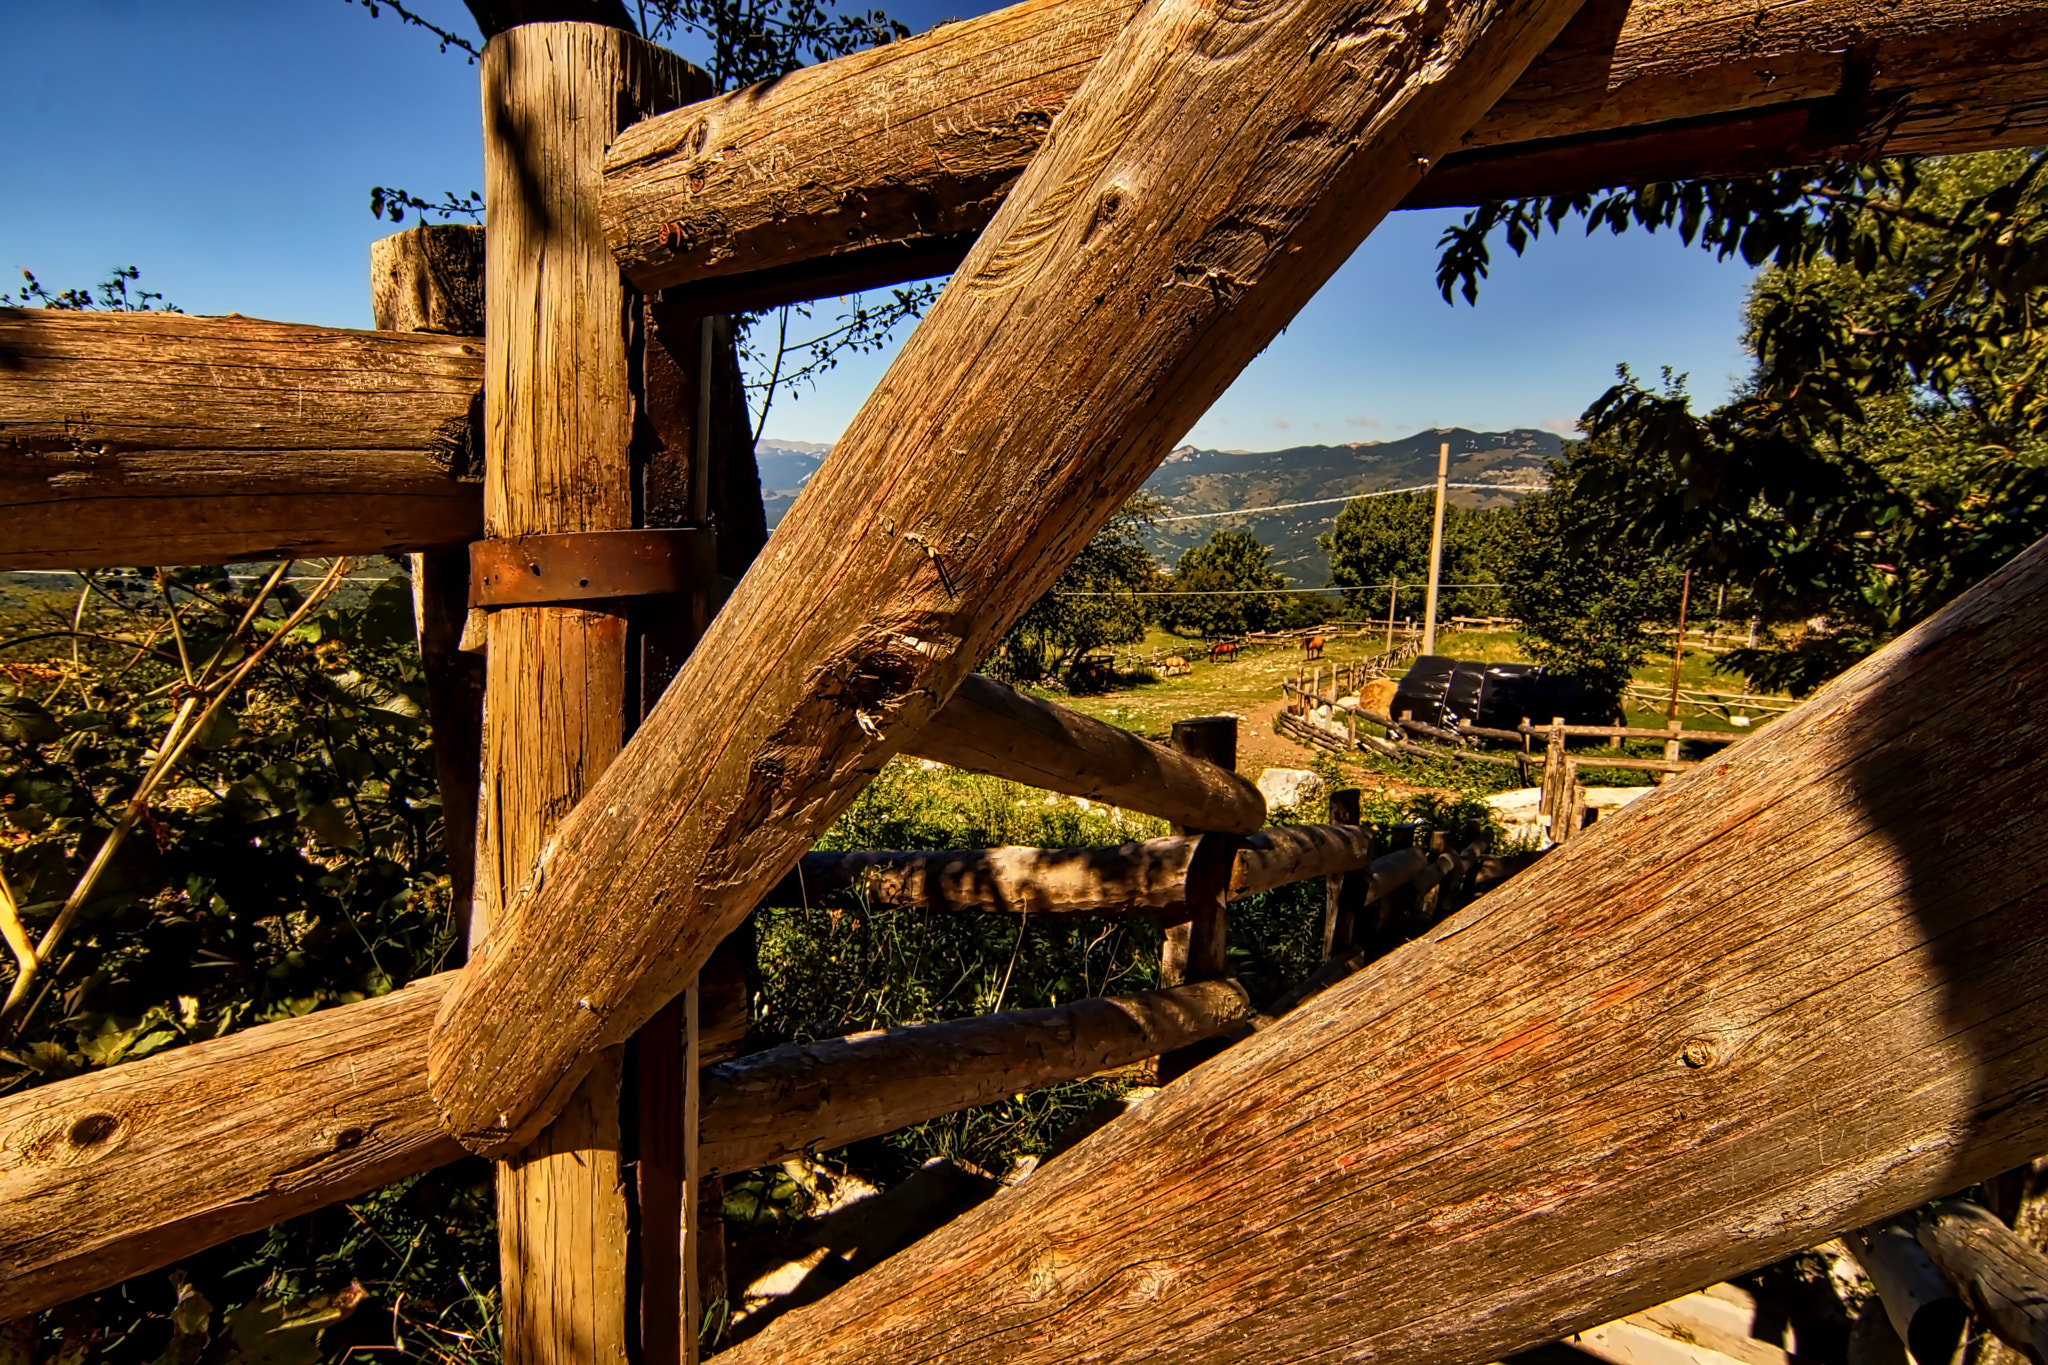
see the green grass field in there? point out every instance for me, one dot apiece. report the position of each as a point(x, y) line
point(1249, 687)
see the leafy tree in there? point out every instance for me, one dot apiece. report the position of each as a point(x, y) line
point(1589, 616)
point(1891, 445)
point(1378, 541)
point(1216, 588)
point(1095, 602)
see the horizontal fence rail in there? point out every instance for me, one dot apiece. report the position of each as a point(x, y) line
point(990, 727)
point(881, 166)
point(816, 1096)
point(131, 438)
point(1143, 878)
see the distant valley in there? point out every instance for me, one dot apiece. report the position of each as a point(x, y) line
point(1196, 481)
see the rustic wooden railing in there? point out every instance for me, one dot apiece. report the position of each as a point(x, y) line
point(1562, 810)
point(882, 166)
point(1658, 996)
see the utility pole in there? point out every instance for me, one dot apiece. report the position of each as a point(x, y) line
point(1436, 550)
point(1678, 649)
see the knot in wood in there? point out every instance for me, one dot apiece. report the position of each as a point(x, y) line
point(1698, 1053)
point(92, 1130)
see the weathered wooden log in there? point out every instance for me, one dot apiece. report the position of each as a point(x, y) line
point(815, 1096)
point(122, 1171)
point(561, 415)
point(1196, 948)
point(429, 278)
point(988, 727)
point(1147, 878)
point(1994, 1270)
point(1140, 263)
point(130, 438)
point(1925, 1314)
point(126, 1170)
point(880, 166)
point(1672, 1054)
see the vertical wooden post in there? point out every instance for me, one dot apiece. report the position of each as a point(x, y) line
point(1436, 551)
point(430, 279)
point(1549, 805)
point(1671, 745)
point(1393, 596)
point(1196, 951)
point(559, 409)
point(1678, 646)
point(1343, 893)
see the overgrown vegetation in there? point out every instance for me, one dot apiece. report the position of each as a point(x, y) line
point(249, 753)
point(1095, 603)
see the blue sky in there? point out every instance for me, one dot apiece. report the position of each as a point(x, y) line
point(227, 148)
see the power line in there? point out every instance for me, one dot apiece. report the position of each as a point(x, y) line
point(1376, 493)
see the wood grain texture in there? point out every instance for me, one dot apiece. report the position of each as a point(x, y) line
point(559, 421)
point(429, 279)
point(165, 439)
point(883, 154)
point(127, 1170)
point(1997, 1273)
point(1196, 948)
point(817, 1096)
point(1750, 1012)
point(990, 727)
point(1140, 264)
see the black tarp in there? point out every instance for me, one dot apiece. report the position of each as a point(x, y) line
point(1443, 691)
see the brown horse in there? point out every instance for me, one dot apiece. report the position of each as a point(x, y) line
point(1175, 666)
point(1222, 649)
point(1312, 646)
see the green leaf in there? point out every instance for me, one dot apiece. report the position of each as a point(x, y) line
point(24, 721)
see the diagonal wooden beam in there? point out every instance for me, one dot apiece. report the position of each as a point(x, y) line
point(1144, 259)
point(880, 166)
point(164, 439)
point(1748, 1013)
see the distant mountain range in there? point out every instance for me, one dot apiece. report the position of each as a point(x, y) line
point(1196, 481)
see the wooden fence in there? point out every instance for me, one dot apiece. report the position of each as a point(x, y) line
point(1738, 707)
point(1562, 810)
point(1111, 300)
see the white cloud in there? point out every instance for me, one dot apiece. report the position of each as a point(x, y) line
point(1568, 426)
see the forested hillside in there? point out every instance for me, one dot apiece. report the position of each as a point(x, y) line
point(1194, 481)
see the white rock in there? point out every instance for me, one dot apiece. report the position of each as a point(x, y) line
point(1289, 788)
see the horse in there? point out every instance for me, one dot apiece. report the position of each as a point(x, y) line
point(1312, 646)
point(1223, 649)
point(1175, 666)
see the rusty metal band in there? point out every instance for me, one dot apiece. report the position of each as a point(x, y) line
point(582, 566)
